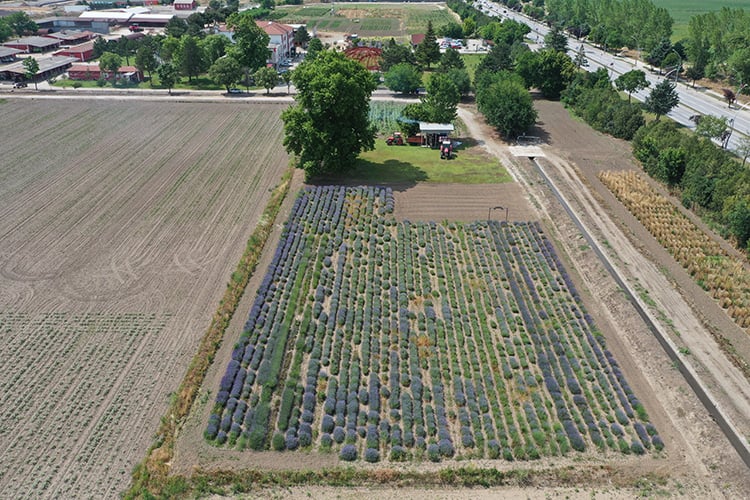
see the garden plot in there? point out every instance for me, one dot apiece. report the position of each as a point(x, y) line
point(120, 224)
point(387, 340)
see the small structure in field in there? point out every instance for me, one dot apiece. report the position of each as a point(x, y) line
point(185, 4)
point(433, 133)
point(92, 72)
point(29, 44)
point(82, 52)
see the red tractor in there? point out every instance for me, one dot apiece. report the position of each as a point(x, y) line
point(395, 140)
point(446, 149)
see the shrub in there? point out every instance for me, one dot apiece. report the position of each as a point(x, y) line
point(327, 424)
point(372, 455)
point(493, 449)
point(433, 452)
point(339, 435)
point(657, 442)
point(398, 453)
point(446, 448)
point(348, 453)
point(277, 442)
point(326, 441)
point(291, 442)
point(637, 448)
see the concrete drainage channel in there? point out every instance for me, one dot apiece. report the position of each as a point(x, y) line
point(739, 444)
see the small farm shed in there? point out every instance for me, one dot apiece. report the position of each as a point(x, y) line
point(92, 72)
point(185, 4)
point(8, 55)
point(151, 20)
point(82, 52)
point(48, 67)
point(432, 132)
point(73, 37)
point(29, 44)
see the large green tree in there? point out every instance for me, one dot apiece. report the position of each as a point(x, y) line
point(404, 78)
point(225, 71)
point(301, 36)
point(145, 58)
point(110, 62)
point(214, 47)
point(394, 53)
point(711, 127)
point(428, 52)
point(507, 32)
point(251, 43)
point(497, 59)
point(176, 27)
point(329, 125)
point(192, 60)
point(267, 78)
point(506, 104)
point(31, 68)
point(662, 99)
point(555, 39)
point(460, 76)
point(450, 59)
point(441, 101)
point(632, 81)
point(168, 75)
point(549, 71)
point(314, 47)
point(21, 24)
point(737, 213)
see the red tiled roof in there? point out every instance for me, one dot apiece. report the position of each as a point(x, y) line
point(273, 28)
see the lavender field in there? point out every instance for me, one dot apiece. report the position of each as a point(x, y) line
point(385, 340)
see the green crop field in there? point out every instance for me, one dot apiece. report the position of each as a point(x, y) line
point(368, 20)
point(682, 10)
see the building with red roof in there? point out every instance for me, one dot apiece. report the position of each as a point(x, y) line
point(92, 72)
point(282, 38)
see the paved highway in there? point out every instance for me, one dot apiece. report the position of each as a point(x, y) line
point(692, 101)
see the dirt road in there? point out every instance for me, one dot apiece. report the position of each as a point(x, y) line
point(573, 155)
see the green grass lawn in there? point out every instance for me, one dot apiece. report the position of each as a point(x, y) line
point(472, 61)
point(408, 164)
point(199, 83)
point(682, 10)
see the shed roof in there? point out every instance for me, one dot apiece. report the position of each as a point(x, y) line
point(67, 35)
point(9, 51)
point(121, 15)
point(151, 18)
point(435, 128)
point(45, 64)
point(183, 2)
point(81, 47)
point(34, 41)
point(274, 28)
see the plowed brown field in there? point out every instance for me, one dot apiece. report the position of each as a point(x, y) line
point(120, 223)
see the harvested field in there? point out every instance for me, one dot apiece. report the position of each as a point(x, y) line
point(120, 224)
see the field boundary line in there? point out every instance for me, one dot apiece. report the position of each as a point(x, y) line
point(151, 473)
point(687, 371)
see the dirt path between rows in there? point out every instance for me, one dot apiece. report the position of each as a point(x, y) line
point(698, 458)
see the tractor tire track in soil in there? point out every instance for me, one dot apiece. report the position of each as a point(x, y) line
point(121, 224)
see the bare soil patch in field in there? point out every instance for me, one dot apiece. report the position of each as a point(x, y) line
point(120, 224)
point(575, 155)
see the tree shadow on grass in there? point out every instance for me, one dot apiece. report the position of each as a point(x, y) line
point(395, 174)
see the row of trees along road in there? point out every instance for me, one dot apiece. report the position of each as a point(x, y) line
point(716, 45)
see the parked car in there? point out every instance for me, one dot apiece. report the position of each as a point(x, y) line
point(235, 91)
point(20, 85)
